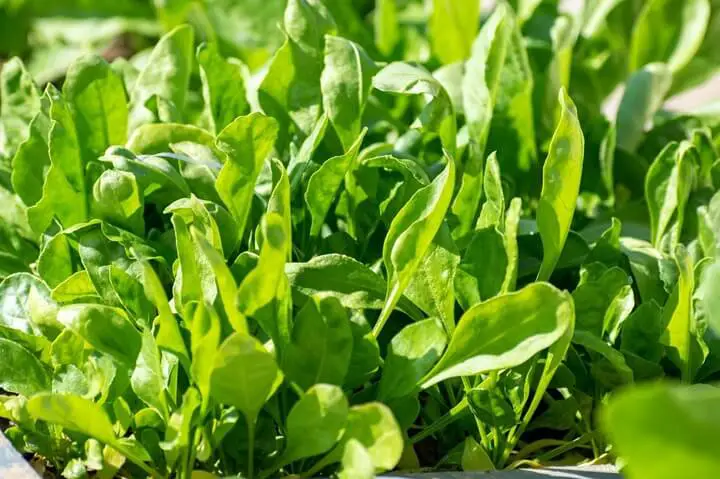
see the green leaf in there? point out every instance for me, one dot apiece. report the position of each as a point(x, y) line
point(452, 28)
point(168, 334)
point(345, 83)
point(665, 431)
point(411, 354)
point(64, 194)
point(681, 330)
point(374, 426)
point(205, 339)
point(355, 285)
point(20, 371)
point(411, 234)
point(161, 88)
point(323, 185)
point(244, 375)
point(668, 31)
point(96, 97)
point(73, 412)
point(105, 328)
point(247, 142)
point(438, 115)
point(431, 286)
point(31, 161)
point(561, 183)
point(481, 272)
point(279, 201)
point(18, 294)
point(475, 457)
point(223, 88)
point(19, 103)
point(224, 282)
point(711, 301)
point(385, 21)
point(116, 198)
point(357, 463)
point(667, 187)
point(321, 344)
point(644, 95)
point(290, 91)
point(480, 89)
point(157, 137)
point(512, 130)
point(540, 314)
point(266, 284)
point(147, 379)
point(323, 409)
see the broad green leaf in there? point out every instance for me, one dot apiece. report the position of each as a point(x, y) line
point(411, 234)
point(321, 344)
point(481, 272)
point(480, 89)
point(365, 359)
point(223, 88)
point(345, 83)
point(247, 142)
point(157, 137)
point(244, 375)
point(21, 372)
point(18, 292)
point(561, 183)
point(385, 21)
point(290, 90)
point(55, 264)
point(411, 354)
point(438, 115)
point(323, 409)
point(96, 97)
point(512, 129)
point(19, 103)
point(667, 187)
point(168, 334)
point(205, 339)
point(300, 162)
point(431, 286)
point(540, 315)
point(105, 328)
point(475, 457)
point(64, 194)
point(711, 301)
point(266, 284)
point(452, 28)
point(323, 185)
point(644, 95)
point(31, 161)
point(669, 31)
point(374, 426)
point(279, 201)
point(161, 88)
point(194, 279)
point(116, 198)
point(596, 345)
point(681, 330)
point(665, 431)
point(355, 285)
point(74, 413)
point(357, 463)
point(225, 283)
point(147, 378)
point(492, 212)
point(75, 289)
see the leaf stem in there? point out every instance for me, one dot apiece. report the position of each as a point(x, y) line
point(251, 448)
